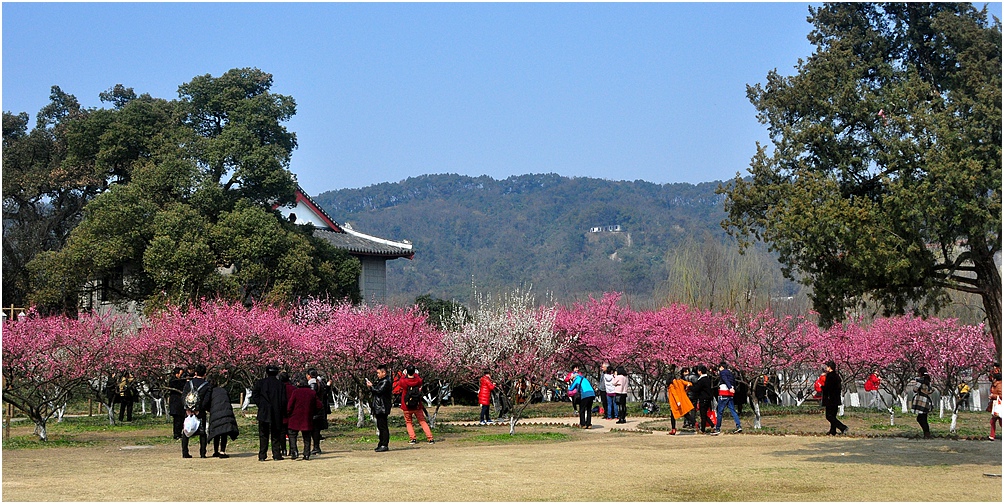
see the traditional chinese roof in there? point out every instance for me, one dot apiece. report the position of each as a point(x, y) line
point(361, 244)
point(344, 237)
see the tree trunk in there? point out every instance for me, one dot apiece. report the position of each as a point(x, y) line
point(992, 305)
point(360, 418)
point(512, 424)
point(756, 414)
point(247, 399)
point(892, 416)
point(955, 417)
point(435, 412)
point(990, 279)
point(41, 430)
point(111, 413)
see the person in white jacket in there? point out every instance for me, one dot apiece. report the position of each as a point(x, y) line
point(620, 386)
point(609, 394)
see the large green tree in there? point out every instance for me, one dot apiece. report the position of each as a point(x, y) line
point(884, 180)
point(43, 197)
point(186, 204)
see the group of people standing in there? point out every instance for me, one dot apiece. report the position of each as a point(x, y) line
point(612, 390)
point(695, 384)
point(122, 390)
point(290, 407)
point(191, 395)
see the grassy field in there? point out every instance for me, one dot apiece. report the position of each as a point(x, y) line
point(86, 459)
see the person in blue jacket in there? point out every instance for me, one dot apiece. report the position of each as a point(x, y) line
point(726, 390)
point(585, 391)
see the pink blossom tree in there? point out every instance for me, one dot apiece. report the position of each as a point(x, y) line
point(351, 341)
point(951, 352)
point(47, 359)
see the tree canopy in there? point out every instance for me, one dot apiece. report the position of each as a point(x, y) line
point(180, 198)
point(884, 180)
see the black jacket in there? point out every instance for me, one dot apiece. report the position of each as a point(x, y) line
point(382, 391)
point(323, 393)
point(702, 389)
point(176, 406)
point(831, 390)
point(221, 414)
point(692, 378)
point(270, 396)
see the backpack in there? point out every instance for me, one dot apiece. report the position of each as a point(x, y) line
point(193, 397)
point(413, 397)
point(650, 407)
point(820, 382)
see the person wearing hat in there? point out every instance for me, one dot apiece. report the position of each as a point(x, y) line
point(270, 396)
point(830, 400)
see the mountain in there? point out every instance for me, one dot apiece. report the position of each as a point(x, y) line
point(529, 229)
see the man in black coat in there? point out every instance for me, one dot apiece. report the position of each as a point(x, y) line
point(690, 375)
point(381, 405)
point(201, 386)
point(270, 396)
point(704, 392)
point(831, 398)
point(175, 406)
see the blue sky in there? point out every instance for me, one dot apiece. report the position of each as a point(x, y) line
point(655, 92)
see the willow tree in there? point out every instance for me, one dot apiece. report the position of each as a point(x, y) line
point(883, 182)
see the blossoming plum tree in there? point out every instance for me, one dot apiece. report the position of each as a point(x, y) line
point(516, 340)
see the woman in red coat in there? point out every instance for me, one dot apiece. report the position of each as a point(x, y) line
point(485, 396)
point(303, 403)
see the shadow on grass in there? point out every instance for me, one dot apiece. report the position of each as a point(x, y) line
point(897, 452)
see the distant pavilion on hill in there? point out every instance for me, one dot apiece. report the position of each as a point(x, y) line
point(373, 252)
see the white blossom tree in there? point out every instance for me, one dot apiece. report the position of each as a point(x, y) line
point(515, 340)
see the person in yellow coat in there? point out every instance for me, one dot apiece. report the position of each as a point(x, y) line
point(679, 403)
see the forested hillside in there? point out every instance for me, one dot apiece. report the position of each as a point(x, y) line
point(530, 229)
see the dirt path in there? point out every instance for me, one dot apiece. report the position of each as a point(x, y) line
point(634, 467)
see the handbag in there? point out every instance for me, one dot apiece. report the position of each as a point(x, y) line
point(998, 408)
point(191, 425)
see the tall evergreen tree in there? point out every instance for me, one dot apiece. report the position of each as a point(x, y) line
point(186, 203)
point(884, 180)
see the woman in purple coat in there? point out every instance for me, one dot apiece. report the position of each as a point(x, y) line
point(303, 403)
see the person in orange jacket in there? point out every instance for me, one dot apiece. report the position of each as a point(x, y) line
point(485, 397)
point(679, 403)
